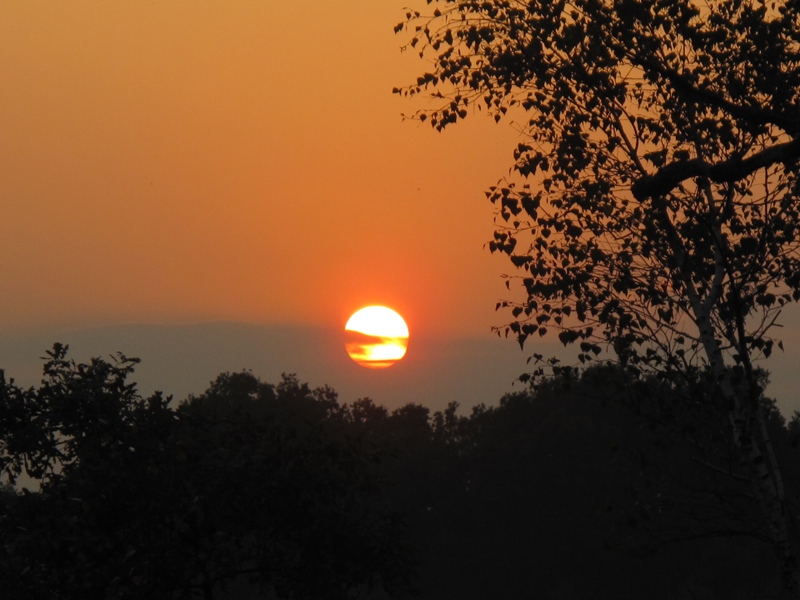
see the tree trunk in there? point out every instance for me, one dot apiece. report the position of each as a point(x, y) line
point(747, 423)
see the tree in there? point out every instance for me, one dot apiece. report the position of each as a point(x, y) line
point(92, 447)
point(300, 487)
point(248, 486)
point(652, 209)
point(520, 495)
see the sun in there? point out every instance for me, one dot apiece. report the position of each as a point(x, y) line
point(376, 337)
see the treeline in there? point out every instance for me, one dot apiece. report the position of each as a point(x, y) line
point(593, 485)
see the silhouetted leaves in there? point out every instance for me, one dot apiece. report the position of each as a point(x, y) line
point(653, 201)
point(249, 482)
point(253, 488)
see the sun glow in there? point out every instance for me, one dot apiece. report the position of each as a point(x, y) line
point(376, 337)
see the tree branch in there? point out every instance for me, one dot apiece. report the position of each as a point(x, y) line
point(751, 114)
point(734, 169)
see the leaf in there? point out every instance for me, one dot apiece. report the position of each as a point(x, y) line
point(568, 336)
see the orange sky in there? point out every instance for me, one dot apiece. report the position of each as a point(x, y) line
point(199, 160)
point(194, 161)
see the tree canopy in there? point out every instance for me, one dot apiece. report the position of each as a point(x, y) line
point(248, 485)
point(661, 137)
point(252, 489)
point(652, 207)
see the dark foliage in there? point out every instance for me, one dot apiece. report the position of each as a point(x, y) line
point(587, 488)
point(651, 211)
point(248, 483)
point(591, 485)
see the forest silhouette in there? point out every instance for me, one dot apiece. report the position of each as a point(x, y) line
point(592, 484)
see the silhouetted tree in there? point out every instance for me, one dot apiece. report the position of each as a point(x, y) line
point(248, 486)
point(94, 449)
point(564, 492)
point(254, 489)
point(660, 215)
point(301, 486)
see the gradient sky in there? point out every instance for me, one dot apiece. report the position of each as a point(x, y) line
point(198, 161)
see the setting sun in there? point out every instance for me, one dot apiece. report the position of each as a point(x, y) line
point(376, 337)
